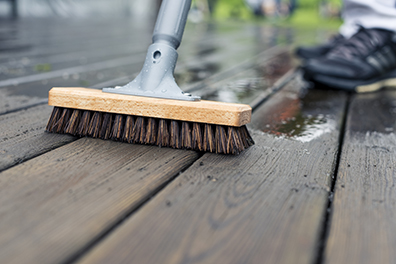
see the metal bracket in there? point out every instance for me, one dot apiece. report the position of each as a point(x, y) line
point(156, 78)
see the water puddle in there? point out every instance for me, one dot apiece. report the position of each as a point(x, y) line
point(302, 128)
point(246, 85)
point(300, 117)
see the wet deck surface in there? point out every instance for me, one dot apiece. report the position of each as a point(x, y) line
point(318, 186)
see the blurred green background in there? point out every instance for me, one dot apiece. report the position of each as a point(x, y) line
point(299, 13)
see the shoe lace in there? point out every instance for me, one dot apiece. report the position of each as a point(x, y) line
point(361, 44)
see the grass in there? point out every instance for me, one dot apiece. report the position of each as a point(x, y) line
point(305, 16)
point(310, 18)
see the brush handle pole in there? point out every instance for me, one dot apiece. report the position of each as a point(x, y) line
point(171, 21)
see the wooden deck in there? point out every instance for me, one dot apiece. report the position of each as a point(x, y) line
point(318, 186)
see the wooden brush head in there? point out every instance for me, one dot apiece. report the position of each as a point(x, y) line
point(210, 112)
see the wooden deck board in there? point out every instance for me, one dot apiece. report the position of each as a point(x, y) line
point(33, 89)
point(45, 37)
point(64, 57)
point(266, 205)
point(56, 204)
point(53, 194)
point(22, 137)
point(363, 220)
point(68, 195)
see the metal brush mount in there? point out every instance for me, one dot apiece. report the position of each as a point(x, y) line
point(156, 78)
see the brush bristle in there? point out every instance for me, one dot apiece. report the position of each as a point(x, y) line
point(74, 121)
point(127, 134)
point(151, 131)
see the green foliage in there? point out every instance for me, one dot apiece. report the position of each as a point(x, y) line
point(309, 13)
point(45, 67)
point(232, 9)
point(310, 18)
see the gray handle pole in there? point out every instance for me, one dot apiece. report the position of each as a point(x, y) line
point(156, 78)
point(171, 21)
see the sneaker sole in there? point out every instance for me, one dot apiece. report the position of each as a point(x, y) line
point(366, 86)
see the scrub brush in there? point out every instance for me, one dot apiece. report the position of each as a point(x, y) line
point(152, 109)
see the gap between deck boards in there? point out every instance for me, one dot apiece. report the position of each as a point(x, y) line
point(327, 221)
point(97, 256)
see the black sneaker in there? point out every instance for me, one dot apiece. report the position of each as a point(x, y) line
point(320, 50)
point(364, 63)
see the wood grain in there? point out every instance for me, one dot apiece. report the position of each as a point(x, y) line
point(211, 112)
point(53, 206)
point(363, 222)
point(266, 205)
point(69, 188)
point(22, 136)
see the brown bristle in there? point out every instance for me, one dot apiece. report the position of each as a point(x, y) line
point(174, 141)
point(72, 125)
point(220, 139)
point(234, 141)
point(209, 140)
point(246, 138)
point(163, 133)
point(196, 137)
point(151, 131)
point(56, 112)
point(148, 130)
point(62, 121)
point(107, 124)
point(127, 134)
point(118, 127)
point(186, 141)
point(82, 129)
point(95, 125)
point(138, 131)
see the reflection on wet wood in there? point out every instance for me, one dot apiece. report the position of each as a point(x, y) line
point(212, 62)
point(302, 116)
point(363, 216)
point(247, 81)
point(265, 206)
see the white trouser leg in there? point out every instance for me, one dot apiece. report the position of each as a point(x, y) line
point(369, 14)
